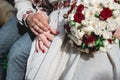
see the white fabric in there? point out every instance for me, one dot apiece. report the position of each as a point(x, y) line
point(63, 62)
point(23, 6)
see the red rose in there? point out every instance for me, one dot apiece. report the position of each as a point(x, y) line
point(80, 8)
point(88, 39)
point(78, 17)
point(110, 41)
point(115, 1)
point(105, 13)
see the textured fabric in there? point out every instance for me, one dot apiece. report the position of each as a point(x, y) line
point(9, 35)
point(23, 6)
point(18, 56)
point(63, 62)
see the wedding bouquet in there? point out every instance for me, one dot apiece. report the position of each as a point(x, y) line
point(90, 26)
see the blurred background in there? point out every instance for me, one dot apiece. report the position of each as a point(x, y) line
point(6, 11)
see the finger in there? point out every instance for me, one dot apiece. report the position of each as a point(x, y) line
point(35, 32)
point(53, 31)
point(40, 25)
point(37, 46)
point(44, 40)
point(49, 36)
point(44, 16)
point(44, 20)
point(36, 28)
point(41, 46)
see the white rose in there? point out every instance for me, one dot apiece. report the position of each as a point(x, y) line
point(98, 32)
point(118, 19)
point(91, 28)
point(116, 12)
point(107, 34)
point(89, 13)
point(102, 25)
point(112, 25)
point(77, 25)
point(117, 41)
point(80, 34)
point(107, 45)
point(103, 49)
point(94, 22)
point(73, 30)
point(97, 8)
point(86, 29)
point(76, 40)
point(111, 5)
point(85, 22)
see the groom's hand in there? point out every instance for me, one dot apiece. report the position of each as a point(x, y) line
point(38, 22)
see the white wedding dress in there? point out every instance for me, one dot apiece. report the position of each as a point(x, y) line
point(63, 62)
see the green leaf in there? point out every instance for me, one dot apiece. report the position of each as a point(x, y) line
point(97, 14)
point(118, 1)
point(83, 46)
point(97, 48)
point(97, 43)
point(72, 23)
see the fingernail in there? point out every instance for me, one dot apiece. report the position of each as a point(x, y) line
point(43, 51)
point(57, 32)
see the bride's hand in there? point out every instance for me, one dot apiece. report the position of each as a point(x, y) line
point(45, 39)
point(117, 33)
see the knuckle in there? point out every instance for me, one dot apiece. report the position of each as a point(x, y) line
point(34, 19)
point(38, 14)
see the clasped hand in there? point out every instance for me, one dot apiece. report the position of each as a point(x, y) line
point(39, 25)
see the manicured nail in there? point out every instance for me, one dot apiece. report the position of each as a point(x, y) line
point(43, 51)
point(57, 32)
